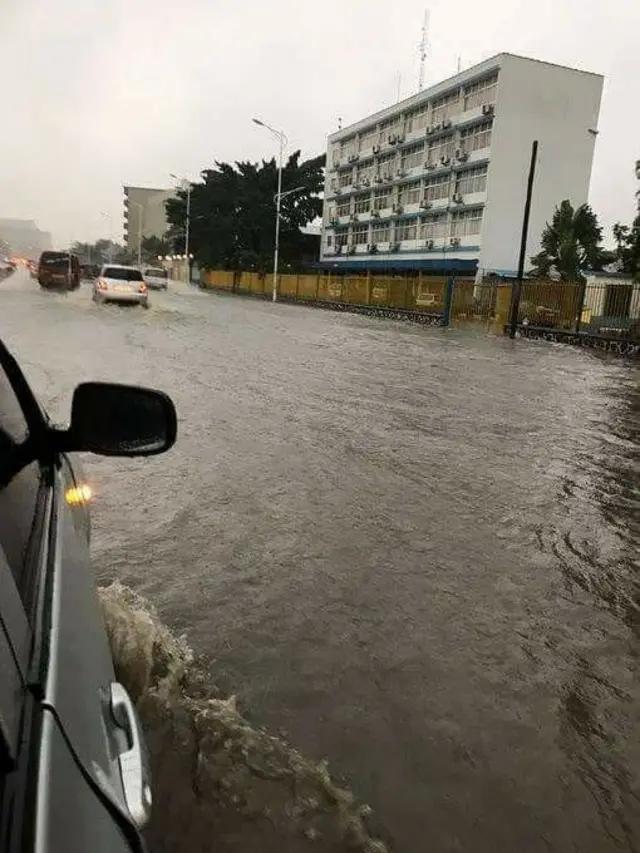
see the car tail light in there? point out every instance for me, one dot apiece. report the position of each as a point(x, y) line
point(142, 288)
point(102, 285)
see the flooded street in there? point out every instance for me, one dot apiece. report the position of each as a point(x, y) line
point(416, 551)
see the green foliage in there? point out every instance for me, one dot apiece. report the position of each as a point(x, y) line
point(627, 239)
point(570, 244)
point(153, 246)
point(232, 221)
point(102, 252)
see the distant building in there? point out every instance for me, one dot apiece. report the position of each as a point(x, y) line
point(23, 237)
point(438, 181)
point(144, 214)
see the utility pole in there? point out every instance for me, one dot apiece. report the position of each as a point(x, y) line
point(517, 291)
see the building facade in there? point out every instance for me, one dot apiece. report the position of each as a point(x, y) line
point(23, 237)
point(438, 181)
point(144, 214)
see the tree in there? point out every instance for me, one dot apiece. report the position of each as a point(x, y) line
point(627, 239)
point(153, 247)
point(570, 244)
point(232, 216)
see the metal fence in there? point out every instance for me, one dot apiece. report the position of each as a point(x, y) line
point(609, 309)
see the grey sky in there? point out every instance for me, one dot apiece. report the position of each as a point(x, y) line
point(97, 94)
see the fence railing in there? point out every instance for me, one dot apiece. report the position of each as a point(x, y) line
point(601, 309)
point(609, 309)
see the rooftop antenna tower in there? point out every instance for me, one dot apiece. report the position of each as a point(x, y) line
point(424, 44)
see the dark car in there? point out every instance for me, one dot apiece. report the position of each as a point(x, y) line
point(59, 270)
point(73, 766)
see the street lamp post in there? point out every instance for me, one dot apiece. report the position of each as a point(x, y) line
point(186, 185)
point(283, 141)
point(109, 219)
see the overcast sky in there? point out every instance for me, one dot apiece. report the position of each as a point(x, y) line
point(98, 93)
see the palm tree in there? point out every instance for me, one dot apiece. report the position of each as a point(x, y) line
point(570, 244)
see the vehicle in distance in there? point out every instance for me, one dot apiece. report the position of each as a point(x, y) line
point(59, 270)
point(121, 284)
point(156, 278)
point(74, 773)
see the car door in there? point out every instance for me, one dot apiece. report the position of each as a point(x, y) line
point(71, 761)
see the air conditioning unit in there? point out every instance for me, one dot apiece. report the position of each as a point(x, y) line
point(375, 214)
point(400, 137)
point(388, 176)
point(429, 166)
point(334, 221)
point(353, 217)
point(398, 208)
point(401, 173)
point(356, 156)
point(376, 148)
point(446, 124)
point(392, 139)
point(431, 129)
point(366, 182)
point(377, 179)
point(393, 247)
point(425, 205)
point(351, 250)
point(487, 109)
point(437, 127)
point(461, 155)
point(338, 191)
point(445, 160)
point(457, 198)
point(356, 186)
point(454, 241)
point(339, 248)
point(374, 248)
point(429, 244)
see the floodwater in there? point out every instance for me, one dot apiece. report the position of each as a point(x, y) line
point(414, 550)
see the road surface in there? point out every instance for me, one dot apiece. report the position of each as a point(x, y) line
point(414, 550)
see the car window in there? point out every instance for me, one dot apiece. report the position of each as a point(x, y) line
point(120, 274)
point(54, 259)
point(18, 498)
point(156, 273)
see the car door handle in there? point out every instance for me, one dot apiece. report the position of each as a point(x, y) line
point(133, 761)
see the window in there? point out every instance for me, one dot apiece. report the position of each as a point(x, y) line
point(363, 203)
point(344, 208)
point(342, 237)
point(330, 213)
point(444, 107)
point(156, 273)
point(388, 127)
point(434, 226)
point(481, 92)
point(382, 199)
point(442, 147)
point(122, 274)
point(407, 229)
point(365, 171)
point(409, 193)
point(345, 179)
point(381, 232)
point(466, 223)
point(416, 119)
point(360, 235)
point(348, 147)
point(18, 499)
point(436, 187)
point(477, 137)
point(368, 138)
point(329, 240)
point(472, 180)
point(413, 156)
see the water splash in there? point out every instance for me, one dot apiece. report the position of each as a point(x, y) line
point(220, 783)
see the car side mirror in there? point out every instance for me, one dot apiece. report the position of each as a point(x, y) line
point(120, 420)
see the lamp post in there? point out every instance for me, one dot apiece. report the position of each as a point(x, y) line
point(186, 185)
point(107, 216)
point(283, 141)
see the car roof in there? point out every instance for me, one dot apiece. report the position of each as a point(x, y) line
point(119, 267)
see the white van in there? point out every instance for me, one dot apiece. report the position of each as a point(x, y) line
point(156, 278)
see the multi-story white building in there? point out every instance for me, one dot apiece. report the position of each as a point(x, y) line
point(144, 214)
point(438, 181)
